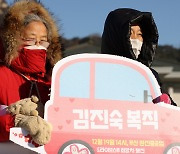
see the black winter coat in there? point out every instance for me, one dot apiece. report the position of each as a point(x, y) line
point(117, 31)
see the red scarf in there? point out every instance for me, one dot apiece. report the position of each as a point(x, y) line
point(30, 62)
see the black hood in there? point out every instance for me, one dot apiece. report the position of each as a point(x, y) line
point(116, 35)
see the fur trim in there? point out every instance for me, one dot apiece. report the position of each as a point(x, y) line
point(13, 25)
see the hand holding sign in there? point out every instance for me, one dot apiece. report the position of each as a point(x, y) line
point(162, 98)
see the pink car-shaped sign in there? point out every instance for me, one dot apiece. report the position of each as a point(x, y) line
point(103, 104)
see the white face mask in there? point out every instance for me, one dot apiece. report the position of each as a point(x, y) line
point(35, 47)
point(136, 46)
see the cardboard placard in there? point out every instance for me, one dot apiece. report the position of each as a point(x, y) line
point(103, 104)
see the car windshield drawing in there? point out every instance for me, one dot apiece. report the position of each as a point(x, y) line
point(121, 79)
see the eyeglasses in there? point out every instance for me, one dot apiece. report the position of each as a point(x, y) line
point(34, 41)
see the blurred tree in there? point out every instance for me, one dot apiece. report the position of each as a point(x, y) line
point(168, 53)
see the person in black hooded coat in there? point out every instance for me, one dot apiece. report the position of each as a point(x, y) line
point(116, 37)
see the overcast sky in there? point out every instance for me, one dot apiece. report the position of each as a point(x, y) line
point(80, 18)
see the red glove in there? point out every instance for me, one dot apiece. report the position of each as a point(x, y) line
point(162, 98)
